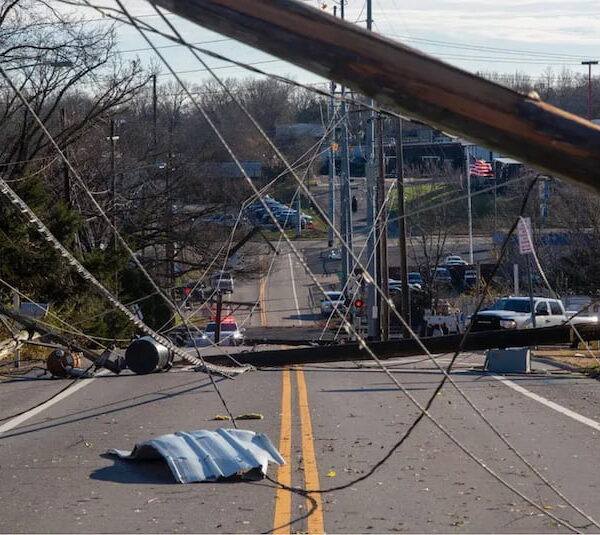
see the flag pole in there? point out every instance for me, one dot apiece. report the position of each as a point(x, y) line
point(470, 212)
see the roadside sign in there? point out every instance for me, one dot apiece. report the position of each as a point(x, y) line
point(34, 310)
point(525, 236)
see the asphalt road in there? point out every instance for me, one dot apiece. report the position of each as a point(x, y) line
point(332, 423)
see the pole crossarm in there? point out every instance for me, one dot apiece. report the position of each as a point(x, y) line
point(33, 326)
point(409, 348)
point(518, 125)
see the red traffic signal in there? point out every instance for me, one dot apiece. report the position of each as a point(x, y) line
point(359, 303)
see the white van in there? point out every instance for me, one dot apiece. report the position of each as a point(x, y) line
point(222, 281)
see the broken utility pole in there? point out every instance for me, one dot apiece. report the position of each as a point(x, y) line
point(410, 348)
point(32, 326)
point(518, 125)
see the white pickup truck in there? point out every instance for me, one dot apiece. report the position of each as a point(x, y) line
point(515, 313)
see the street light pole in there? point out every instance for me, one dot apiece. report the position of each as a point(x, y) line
point(589, 63)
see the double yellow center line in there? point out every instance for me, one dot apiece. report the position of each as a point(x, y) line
point(283, 498)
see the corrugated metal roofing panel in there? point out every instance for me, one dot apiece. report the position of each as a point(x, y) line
point(202, 455)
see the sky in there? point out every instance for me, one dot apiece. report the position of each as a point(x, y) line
point(503, 36)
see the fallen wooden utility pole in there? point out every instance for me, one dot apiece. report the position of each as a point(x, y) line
point(409, 348)
point(425, 88)
point(33, 327)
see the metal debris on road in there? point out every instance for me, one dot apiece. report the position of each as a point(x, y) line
point(195, 456)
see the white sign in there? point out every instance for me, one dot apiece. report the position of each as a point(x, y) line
point(34, 310)
point(525, 236)
point(137, 311)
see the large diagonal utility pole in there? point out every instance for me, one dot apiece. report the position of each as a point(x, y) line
point(444, 96)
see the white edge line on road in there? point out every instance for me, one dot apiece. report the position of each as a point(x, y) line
point(294, 286)
point(555, 406)
point(18, 420)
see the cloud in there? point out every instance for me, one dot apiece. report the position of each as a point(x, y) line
point(551, 25)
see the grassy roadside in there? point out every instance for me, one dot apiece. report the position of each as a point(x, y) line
point(576, 359)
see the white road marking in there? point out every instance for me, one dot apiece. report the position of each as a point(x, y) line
point(555, 406)
point(18, 420)
point(294, 286)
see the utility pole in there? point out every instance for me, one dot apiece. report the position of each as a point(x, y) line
point(345, 197)
point(373, 332)
point(405, 297)
point(332, 153)
point(469, 207)
point(347, 264)
point(381, 233)
point(589, 63)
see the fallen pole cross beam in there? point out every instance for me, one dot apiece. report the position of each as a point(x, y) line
point(409, 348)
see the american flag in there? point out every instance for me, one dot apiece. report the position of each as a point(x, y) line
point(480, 168)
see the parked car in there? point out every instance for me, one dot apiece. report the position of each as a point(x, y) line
point(582, 305)
point(333, 301)
point(397, 284)
point(515, 313)
point(285, 215)
point(470, 277)
point(454, 260)
point(397, 287)
point(332, 254)
point(222, 281)
point(414, 277)
point(441, 274)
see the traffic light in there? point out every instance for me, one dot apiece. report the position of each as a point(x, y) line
point(359, 303)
